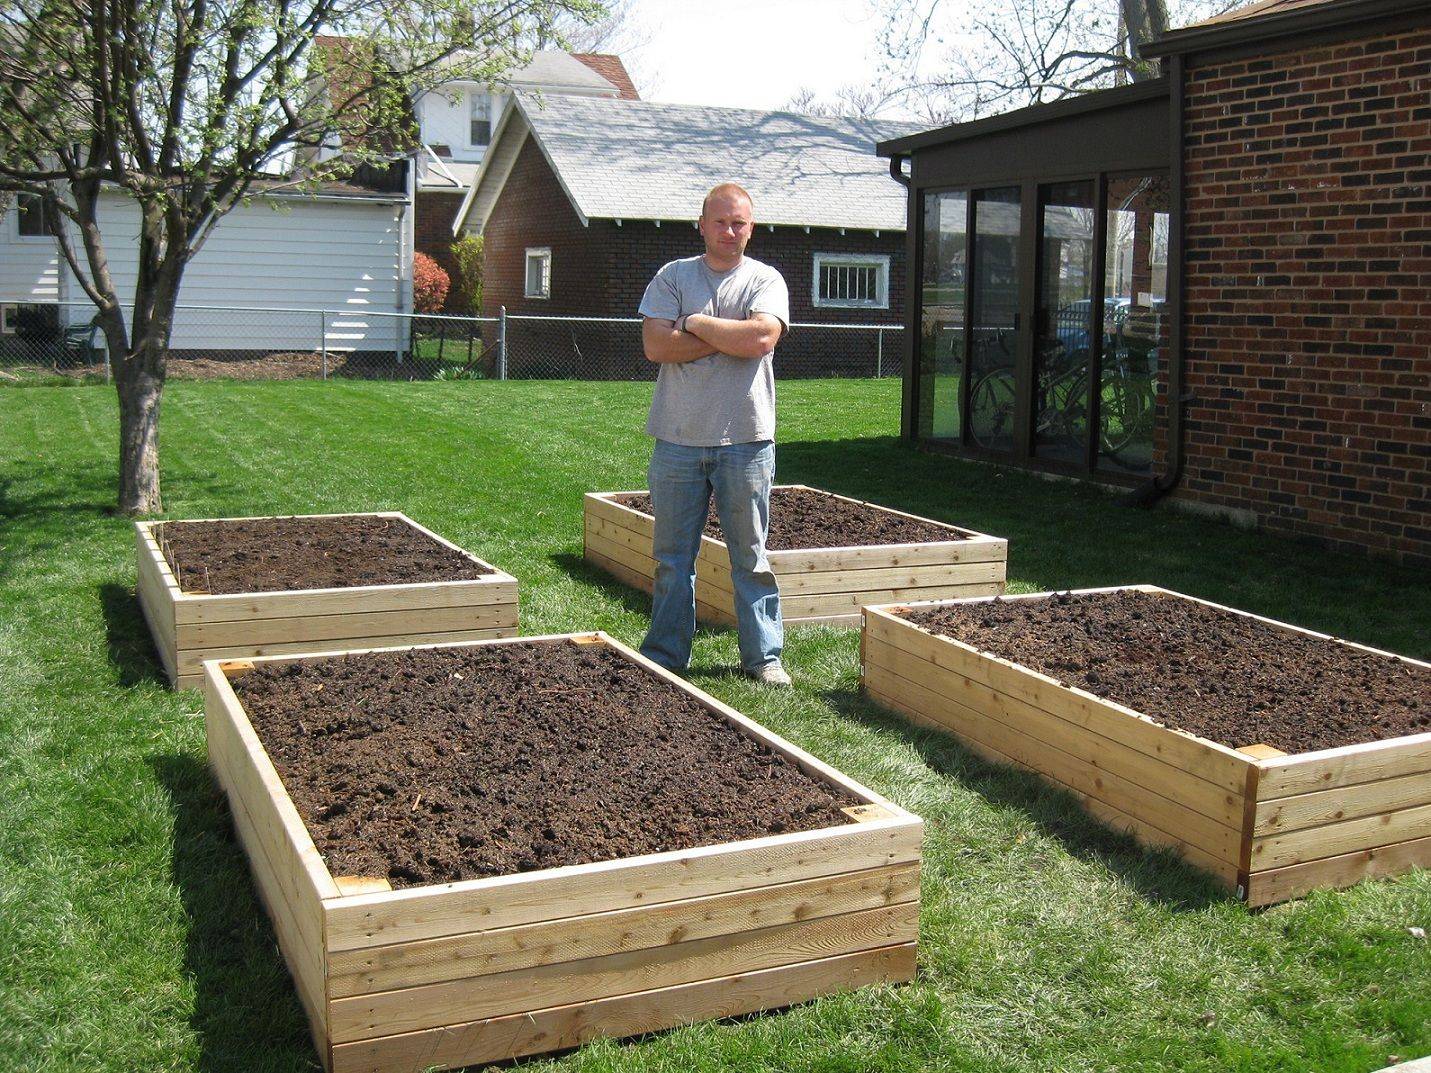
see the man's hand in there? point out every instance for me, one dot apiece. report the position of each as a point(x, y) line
point(665, 345)
point(752, 338)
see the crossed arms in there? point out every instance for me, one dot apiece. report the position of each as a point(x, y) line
point(751, 338)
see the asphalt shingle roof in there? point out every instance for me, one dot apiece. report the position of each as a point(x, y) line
point(643, 160)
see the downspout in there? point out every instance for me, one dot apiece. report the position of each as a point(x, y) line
point(896, 169)
point(909, 392)
point(1161, 484)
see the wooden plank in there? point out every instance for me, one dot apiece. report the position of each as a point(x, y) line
point(890, 510)
point(361, 885)
point(896, 579)
point(503, 901)
point(430, 1006)
point(646, 567)
point(163, 643)
point(418, 619)
point(888, 556)
point(493, 589)
point(620, 571)
point(841, 603)
point(392, 966)
point(1347, 766)
point(710, 553)
point(1217, 764)
point(1083, 771)
point(629, 548)
point(1279, 884)
point(1347, 836)
point(287, 869)
point(1214, 763)
point(498, 1039)
point(191, 662)
point(958, 702)
point(1342, 803)
point(1113, 817)
point(1261, 752)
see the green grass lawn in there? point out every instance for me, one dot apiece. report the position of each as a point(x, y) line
point(131, 938)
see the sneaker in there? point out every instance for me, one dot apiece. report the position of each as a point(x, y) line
point(771, 674)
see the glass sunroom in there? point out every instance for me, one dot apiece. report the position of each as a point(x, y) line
point(1039, 320)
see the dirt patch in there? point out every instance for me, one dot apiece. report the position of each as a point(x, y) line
point(276, 554)
point(807, 518)
point(1225, 677)
point(444, 764)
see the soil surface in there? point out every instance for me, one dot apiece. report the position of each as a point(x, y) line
point(437, 765)
point(806, 518)
point(1224, 677)
point(275, 554)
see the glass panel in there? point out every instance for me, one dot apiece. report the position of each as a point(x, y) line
point(995, 328)
point(1063, 321)
point(941, 342)
point(481, 124)
point(1135, 321)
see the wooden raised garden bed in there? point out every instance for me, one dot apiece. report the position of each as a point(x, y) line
point(478, 970)
point(1269, 823)
point(817, 583)
point(189, 623)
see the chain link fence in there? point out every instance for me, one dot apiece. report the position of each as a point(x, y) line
point(245, 343)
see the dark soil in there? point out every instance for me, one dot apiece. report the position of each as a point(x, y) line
point(806, 518)
point(276, 554)
point(437, 765)
point(1224, 677)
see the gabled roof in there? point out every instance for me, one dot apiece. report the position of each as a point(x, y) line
point(611, 68)
point(1268, 20)
point(639, 160)
point(556, 72)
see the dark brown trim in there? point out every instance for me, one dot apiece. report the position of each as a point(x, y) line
point(1023, 117)
point(1096, 297)
point(913, 306)
point(1025, 373)
point(1034, 464)
point(1347, 18)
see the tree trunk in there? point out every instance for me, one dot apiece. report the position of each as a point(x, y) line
point(140, 392)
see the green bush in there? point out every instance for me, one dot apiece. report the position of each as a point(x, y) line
point(467, 287)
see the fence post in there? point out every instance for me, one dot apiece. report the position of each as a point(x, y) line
point(502, 343)
point(323, 339)
point(879, 354)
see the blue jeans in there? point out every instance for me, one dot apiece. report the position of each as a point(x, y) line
point(682, 479)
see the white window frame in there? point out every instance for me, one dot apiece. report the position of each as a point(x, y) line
point(8, 310)
point(878, 261)
point(15, 231)
point(474, 98)
point(544, 255)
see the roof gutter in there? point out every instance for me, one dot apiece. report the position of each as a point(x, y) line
point(896, 169)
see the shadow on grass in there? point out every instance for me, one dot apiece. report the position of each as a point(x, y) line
point(246, 1013)
point(43, 523)
point(1158, 875)
point(131, 648)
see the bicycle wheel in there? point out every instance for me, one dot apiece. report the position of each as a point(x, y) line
point(991, 410)
point(1125, 409)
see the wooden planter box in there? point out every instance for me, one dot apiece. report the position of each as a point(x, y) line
point(816, 584)
point(490, 969)
point(1270, 826)
point(189, 627)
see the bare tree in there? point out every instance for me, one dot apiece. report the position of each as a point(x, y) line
point(945, 60)
point(619, 30)
point(187, 107)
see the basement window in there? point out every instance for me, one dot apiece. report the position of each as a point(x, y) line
point(851, 281)
point(539, 272)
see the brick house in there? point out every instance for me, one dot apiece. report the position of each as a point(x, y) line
point(580, 201)
point(1212, 286)
point(455, 126)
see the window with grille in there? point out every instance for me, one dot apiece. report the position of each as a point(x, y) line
point(539, 273)
point(480, 132)
point(854, 281)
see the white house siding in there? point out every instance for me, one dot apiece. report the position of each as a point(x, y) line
point(29, 268)
point(343, 256)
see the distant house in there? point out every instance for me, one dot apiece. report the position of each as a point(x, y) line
point(456, 123)
point(343, 248)
point(580, 201)
point(1212, 285)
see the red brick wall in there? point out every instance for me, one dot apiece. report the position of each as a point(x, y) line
point(432, 229)
point(602, 270)
point(1308, 306)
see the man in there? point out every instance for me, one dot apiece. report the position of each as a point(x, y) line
point(711, 323)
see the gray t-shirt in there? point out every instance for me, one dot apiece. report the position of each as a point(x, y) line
point(718, 399)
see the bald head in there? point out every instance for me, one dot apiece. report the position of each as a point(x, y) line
point(726, 225)
point(723, 191)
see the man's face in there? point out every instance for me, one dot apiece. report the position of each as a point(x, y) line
point(726, 226)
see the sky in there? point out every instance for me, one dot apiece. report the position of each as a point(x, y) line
point(752, 53)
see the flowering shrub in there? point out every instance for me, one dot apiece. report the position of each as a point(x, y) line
point(429, 284)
